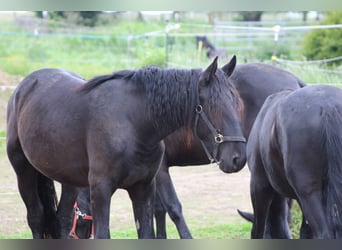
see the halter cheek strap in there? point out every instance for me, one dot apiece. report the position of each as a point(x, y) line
point(218, 137)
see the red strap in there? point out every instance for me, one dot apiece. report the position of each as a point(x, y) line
point(79, 214)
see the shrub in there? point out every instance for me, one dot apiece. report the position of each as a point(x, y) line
point(325, 43)
point(265, 51)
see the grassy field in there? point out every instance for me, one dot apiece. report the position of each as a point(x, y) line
point(210, 198)
point(122, 45)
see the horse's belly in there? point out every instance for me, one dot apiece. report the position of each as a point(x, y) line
point(63, 162)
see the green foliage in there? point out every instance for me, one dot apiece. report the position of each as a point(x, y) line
point(325, 43)
point(296, 220)
point(85, 18)
point(16, 64)
point(151, 56)
point(265, 51)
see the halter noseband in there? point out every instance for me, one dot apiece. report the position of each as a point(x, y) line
point(79, 215)
point(218, 137)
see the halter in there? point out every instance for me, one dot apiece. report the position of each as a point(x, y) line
point(218, 137)
point(79, 215)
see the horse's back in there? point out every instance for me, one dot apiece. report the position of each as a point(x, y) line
point(37, 84)
point(255, 82)
point(263, 78)
point(304, 108)
point(301, 118)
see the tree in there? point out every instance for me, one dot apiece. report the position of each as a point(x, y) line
point(251, 15)
point(89, 18)
point(86, 18)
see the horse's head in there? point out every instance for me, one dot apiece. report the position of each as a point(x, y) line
point(217, 121)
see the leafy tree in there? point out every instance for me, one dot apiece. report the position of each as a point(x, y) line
point(325, 43)
point(250, 15)
point(85, 18)
point(89, 18)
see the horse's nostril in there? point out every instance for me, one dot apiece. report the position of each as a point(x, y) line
point(236, 159)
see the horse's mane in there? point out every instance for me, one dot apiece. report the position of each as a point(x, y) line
point(170, 92)
point(98, 80)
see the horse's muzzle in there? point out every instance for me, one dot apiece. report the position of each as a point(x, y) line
point(236, 163)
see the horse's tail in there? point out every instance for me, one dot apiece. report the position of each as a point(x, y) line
point(332, 143)
point(48, 197)
point(246, 215)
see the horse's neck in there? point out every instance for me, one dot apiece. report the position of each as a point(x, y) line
point(175, 110)
point(210, 45)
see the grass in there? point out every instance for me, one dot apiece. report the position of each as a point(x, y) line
point(121, 45)
point(220, 231)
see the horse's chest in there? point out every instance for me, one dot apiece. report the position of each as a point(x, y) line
point(142, 166)
point(135, 173)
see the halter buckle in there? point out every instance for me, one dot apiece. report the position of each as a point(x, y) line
point(199, 109)
point(218, 138)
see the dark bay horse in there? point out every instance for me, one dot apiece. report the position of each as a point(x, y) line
point(212, 51)
point(254, 82)
point(294, 151)
point(106, 134)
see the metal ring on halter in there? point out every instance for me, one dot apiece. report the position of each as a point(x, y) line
point(199, 109)
point(218, 138)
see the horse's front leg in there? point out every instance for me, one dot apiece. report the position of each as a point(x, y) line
point(142, 196)
point(100, 196)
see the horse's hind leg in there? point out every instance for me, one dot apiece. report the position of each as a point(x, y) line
point(277, 223)
point(305, 230)
point(160, 216)
point(28, 188)
point(142, 196)
point(314, 213)
point(262, 194)
point(166, 194)
point(65, 210)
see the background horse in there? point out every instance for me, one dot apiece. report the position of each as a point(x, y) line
point(212, 51)
point(106, 133)
point(254, 82)
point(294, 151)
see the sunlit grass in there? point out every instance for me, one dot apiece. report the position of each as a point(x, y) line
point(220, 231)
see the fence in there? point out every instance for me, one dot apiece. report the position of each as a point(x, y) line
point(172, 45)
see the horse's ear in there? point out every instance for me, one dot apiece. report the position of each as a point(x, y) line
point(229, 67)
point(209, 72)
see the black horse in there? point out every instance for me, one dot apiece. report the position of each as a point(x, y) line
point(254, 82)
point(107, 132)
point(212, 51)
point(294, 151)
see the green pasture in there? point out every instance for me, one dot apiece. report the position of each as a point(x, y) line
point(131, 44)
point(222, 231)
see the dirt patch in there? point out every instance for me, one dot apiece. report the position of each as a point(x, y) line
point(208, 196)
point(9, 80)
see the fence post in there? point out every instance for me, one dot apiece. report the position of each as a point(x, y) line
point(166, 42)
point(276, 30)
